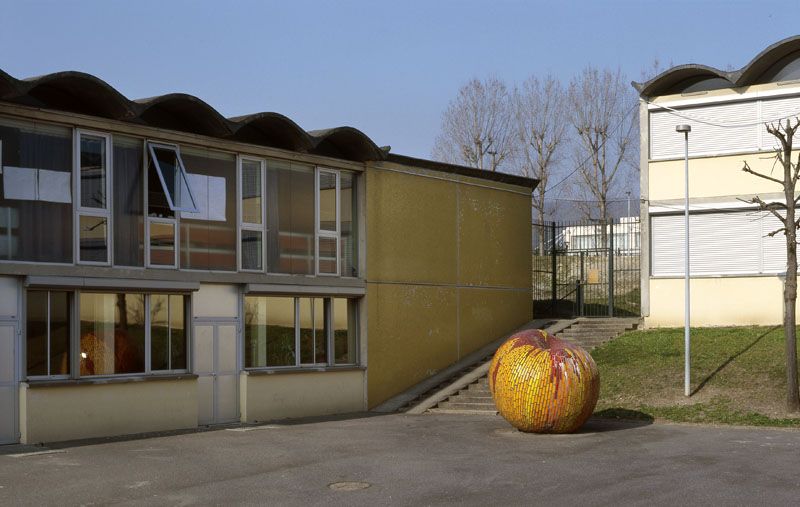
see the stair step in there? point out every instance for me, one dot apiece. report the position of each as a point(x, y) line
point(467, 405)
point(462, 411)
point(461, 398)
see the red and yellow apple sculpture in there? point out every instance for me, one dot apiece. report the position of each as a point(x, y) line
point(542, 384)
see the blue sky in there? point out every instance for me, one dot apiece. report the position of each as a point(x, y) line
point(388, 69)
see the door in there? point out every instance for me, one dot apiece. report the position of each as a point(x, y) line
point(8, 383)
point(215, 363)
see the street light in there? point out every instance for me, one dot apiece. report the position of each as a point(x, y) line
point(685, 129)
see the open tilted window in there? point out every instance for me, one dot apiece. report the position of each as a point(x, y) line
point(167, 162)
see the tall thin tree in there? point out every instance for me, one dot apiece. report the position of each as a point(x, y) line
point(476, 126)
point(785, 212)
point(539, 109)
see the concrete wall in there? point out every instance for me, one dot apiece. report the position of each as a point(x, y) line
point(67, 412)
point(281, 396)
point(448, 271)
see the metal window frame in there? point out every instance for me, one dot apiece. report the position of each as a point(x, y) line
point(24, 335)
point(78, 209)
point(151, 147)
point(320, 233)
point(246, 226)
point(167, 221)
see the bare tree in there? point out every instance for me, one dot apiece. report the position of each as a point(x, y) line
point(476, 126)
point(603, 115)
point(785, 212)
point(539, 108)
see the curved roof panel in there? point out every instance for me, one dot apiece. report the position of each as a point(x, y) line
point(77, 92)
point(86, 94)
point(679, 78)
point(187, 113)
point(346, 142)
point(271, 129)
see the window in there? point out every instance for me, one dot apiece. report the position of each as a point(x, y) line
point(299, 332)
point(290, 218)
point(167, 193)
point(93, 189)
point(47, 325)
point(327, 222)
point(251, 239)
point(348, 226)
point(36, 214)
point(116, 333)
point(128, 202)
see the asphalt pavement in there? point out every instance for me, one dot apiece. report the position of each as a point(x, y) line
point(414, 460)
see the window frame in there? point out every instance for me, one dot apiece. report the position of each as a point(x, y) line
point(246, 226)
point(75, 341)
point(320, 233)
point(151, 147)
point(174, 221)
point(71, 312)
point(330, 336)
point(78, 209)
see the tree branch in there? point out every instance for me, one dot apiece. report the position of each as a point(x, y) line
point(747, 169)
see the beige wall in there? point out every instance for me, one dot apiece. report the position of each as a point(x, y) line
point(448, 271)
point(281, 396)
point(50, 414)
point(724, 301)
point(711, 177)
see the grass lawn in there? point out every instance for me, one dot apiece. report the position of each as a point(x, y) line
point(738, 376)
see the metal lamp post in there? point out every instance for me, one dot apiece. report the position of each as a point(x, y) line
point(685, 129)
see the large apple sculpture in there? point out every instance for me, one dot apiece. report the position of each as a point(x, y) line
point(542, 384)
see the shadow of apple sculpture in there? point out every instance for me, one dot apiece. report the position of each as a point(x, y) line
point(542, 384)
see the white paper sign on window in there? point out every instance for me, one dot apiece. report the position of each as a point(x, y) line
point(54, 186)
point(209, 195)
point(20, 183)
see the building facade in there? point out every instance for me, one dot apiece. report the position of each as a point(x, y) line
point(736, 266)
point(163, 267)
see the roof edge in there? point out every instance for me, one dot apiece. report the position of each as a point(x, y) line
point(510, 179)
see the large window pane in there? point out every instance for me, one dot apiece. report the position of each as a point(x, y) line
point(208, 237)
point(327, 255)
point(269, 338)
point(252, 250)
point(313, 348)
point(35, 195)
point(59, 333)
point(36, 333)
point(159, 332)
point(93, 172)
point(251, 192)
point(290, 218)
point(112, 333)
point(93, 238)
point(162, 244)
point(128, 202)
point(327, 201)
point(344, 331)
point(177, 332)
point(347, 224)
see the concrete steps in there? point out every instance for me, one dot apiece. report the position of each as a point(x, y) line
point(589, 333)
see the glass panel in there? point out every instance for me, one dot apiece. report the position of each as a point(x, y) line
point(36, 230)
point(327, 201)
point(93, 242)
point(347, 224)
point(159, 332)
point(173, 183)
point(251, 192)
point(208, 238)
point(157, 203)
point(162, 244)
point(36, 333)
point(93, 172)
point(312, 331)
point(59, 333)
point(269, 331)
point(327, 255)
point(112, 333)
point(344, 331)
point(252, 250)
point(290, 218)
point(177, 332)
point(128, 202)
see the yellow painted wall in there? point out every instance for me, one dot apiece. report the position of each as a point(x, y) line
point(50, 414)
point(711, 177)
point(448, 271)
point(281, 396)
point(724, 301)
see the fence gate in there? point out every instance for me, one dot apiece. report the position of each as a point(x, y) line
point(586, 269)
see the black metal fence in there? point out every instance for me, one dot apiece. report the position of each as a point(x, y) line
point(586, 268)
